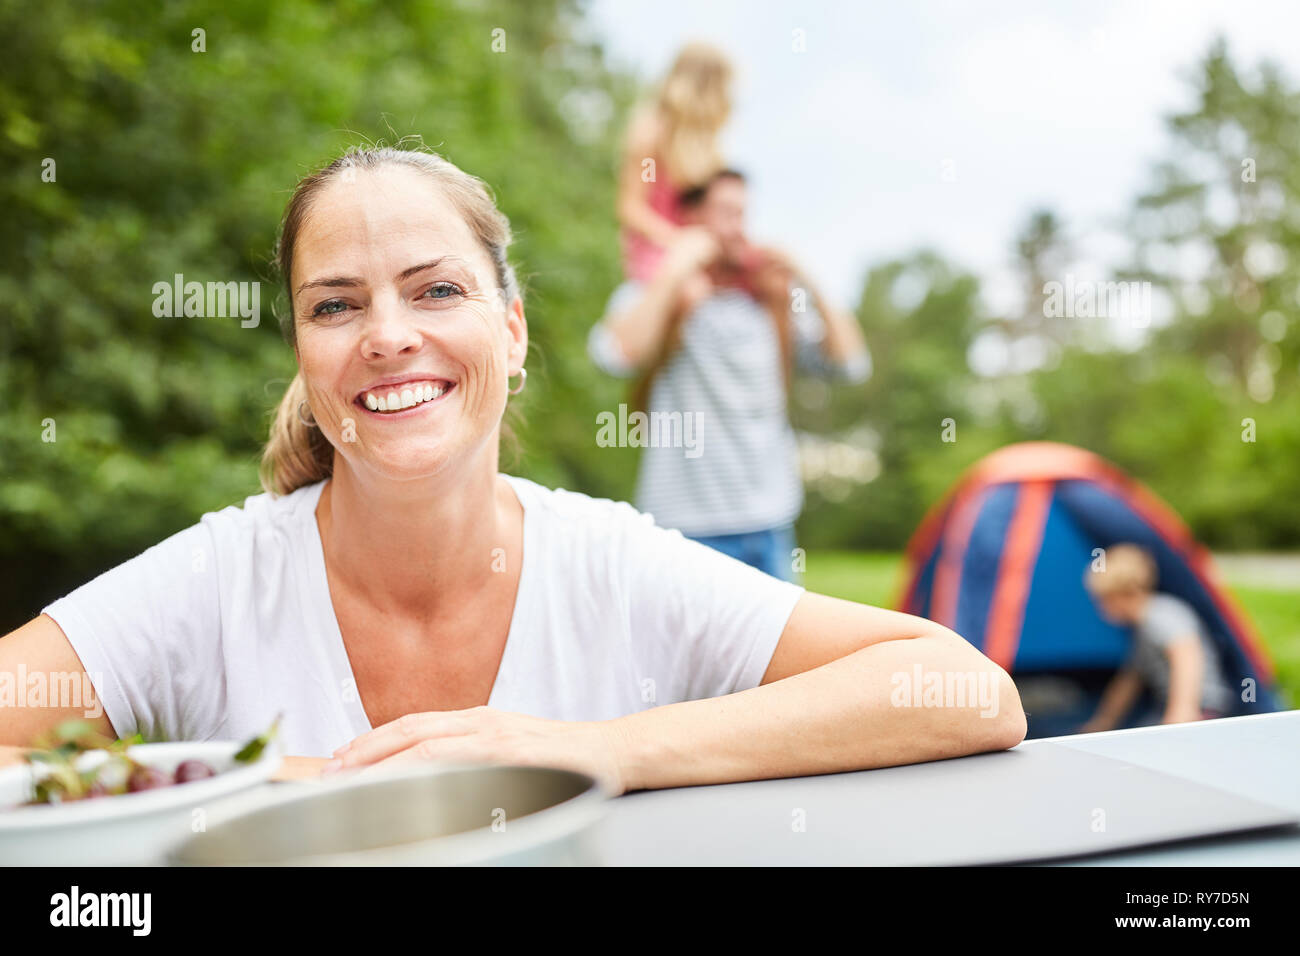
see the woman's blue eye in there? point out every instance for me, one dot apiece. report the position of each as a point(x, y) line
point(327, 308)
point(447, 287)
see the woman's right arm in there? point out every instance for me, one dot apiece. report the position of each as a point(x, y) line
point(49, 684)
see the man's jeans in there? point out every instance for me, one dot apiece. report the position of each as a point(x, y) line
point(768, 550)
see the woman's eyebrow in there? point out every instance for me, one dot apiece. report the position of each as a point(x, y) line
point(407, 273)
point(343, 281)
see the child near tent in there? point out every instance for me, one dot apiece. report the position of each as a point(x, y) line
point(1171, 655)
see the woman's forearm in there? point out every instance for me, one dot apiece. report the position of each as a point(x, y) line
point(895, 702)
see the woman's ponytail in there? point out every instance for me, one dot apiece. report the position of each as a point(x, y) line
point(297, 454)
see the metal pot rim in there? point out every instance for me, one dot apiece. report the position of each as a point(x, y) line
point(566, 818)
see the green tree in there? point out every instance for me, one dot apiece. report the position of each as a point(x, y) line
point(1205, 409)
point(920, 315)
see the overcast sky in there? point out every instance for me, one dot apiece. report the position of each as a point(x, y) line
point(1033, 103)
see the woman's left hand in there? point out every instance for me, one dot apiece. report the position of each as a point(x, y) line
point(486, 735)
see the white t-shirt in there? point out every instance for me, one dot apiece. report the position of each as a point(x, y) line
point(212, 632)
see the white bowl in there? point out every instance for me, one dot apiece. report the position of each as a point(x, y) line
point(130, 829)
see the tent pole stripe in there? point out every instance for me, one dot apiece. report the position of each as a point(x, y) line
point(1016, 571)
point(913, 565)
point(923, 543)
point(947, 575)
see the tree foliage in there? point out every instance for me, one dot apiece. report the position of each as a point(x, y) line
point(172, 161)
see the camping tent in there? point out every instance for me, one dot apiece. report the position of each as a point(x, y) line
point(1001, 561)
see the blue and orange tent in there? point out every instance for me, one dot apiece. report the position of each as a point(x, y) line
point(1001, 561)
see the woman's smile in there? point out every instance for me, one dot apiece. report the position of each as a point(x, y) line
point(402, 399)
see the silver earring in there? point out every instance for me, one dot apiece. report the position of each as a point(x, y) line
point(309, 424)
point(523, 377)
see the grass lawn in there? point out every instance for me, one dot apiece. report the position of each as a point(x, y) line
point(874, 578)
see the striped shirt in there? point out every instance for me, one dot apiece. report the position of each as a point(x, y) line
point(718, 454)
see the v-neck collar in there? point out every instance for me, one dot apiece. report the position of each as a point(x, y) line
point(326, 624)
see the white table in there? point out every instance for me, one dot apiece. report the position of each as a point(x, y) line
point(939, 812)
point(953, 811)
point(1257, 757)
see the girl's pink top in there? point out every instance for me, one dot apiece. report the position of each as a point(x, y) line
point(641, 256)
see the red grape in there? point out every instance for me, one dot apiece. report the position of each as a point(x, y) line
point(147, 778)
point(193, 770)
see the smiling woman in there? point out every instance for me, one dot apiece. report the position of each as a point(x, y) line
point(399, 599)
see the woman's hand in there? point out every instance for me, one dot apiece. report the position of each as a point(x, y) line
point(486, 735)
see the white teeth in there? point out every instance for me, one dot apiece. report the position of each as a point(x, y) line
point(408, 397)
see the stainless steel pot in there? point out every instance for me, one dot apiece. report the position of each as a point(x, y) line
point(464, 815)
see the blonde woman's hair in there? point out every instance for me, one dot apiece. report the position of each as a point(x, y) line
point(1125, 568)
point(693, 103)
point(297, 453)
